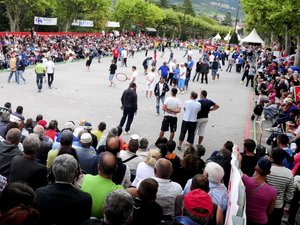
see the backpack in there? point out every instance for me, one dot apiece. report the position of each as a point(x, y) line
point(258, 110)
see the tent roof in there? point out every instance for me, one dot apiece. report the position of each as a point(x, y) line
point(217, 37)
point(227, 38)
point(150, 29)
point(253, 37)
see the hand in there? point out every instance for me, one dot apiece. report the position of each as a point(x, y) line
point(122, 107)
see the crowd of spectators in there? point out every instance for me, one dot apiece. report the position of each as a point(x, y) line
point(72, 174)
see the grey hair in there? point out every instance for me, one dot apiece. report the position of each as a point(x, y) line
point(152, 156)
point(39, 130)
point(214, 172)
point(64, 168)
point(31, 144)
point(118, 208)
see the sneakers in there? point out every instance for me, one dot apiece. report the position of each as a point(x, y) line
point(272, 129)
point(126, 132)
point(157, 114)
point(179, 148)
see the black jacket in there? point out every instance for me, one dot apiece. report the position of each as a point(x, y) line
point(165, 89)
point(7, 153)
point(62, 204)
point(129, 99)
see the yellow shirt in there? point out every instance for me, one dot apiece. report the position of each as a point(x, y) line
point(98, 134)
point(40, 68)
point(51, 156)
point(13, 64)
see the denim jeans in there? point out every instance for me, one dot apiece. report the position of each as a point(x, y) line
point(19, 74)
point(158, 99)
point(11, 74)
point(39, 80)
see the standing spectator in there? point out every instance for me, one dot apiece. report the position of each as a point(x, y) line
point(160, 90)
point(230, 64)
point(50, 71)
point(260, 196)
point(249, 159)
point(246, 72)
point(163, 71)
point(13, 68)
point(62, 203)
point(25, 169)
point(282, 180)
point(250, 77)
point(129, 106)
point(182, 77)
point(198, 70)
point(207, 105)
point(171, 107)
point(40, 71)
point(189, 120)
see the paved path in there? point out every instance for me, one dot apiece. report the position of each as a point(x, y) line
point(80, 94)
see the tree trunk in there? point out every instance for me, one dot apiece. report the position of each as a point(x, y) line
point(297, 57)
point(12, 22)
point(287, 40)
point(66, 27)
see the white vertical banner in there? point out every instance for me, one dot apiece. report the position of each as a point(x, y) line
point(45, 21)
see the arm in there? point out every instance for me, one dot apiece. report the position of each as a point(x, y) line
point(289, 193)
point(214, 107)
point(135, 103)
point(219, 216)
point(271, 206)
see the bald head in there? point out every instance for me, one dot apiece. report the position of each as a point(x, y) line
point(113, 145)
point(163, 168)
point(13, 136)
point(107, 164)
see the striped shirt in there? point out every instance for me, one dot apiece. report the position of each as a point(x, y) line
point(282, 180)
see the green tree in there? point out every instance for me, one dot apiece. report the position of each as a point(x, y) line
point(187, 7)
point(164, 3)
point(227, 20)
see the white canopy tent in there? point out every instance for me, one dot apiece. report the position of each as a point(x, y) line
point(253, 37)
point(227, 38)
point(217, 37)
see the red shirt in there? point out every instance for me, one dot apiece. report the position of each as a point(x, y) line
point(115, 52)
point(51, 134)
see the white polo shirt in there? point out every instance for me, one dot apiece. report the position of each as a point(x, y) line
point(191, 109)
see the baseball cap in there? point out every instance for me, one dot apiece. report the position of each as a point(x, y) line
point(135, 137)
point(88, 126)
point(69, 125)
point(198, 203)
point(86, 138)
point(264, 164)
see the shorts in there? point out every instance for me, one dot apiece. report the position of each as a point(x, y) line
point(169, 121)
point(150, 87)
point(111, 77)
point(214, 72)
point(201, 124)
point(145, 67)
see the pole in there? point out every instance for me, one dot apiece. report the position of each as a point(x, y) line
point(236, 19)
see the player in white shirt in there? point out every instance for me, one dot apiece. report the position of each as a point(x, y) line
point(134, 75)
point(150, 83)
point(50, 71)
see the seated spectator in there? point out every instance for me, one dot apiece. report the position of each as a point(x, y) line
point(19, 113)
point(143, 151)
point(223, 158)
point(167, 189)
point(130, 158)
point(51, 130)
point(16, 205)
point(270, 110)
point(187, 171)
point(46, 144)
point(200, 181)
point(62, 203)
point(28, 127)
point(260, 196)
point(122, 173)
point(146, 169)
point(197, 208)
point(66, 140)
point(171, 155)
point(8, 150)
point(249, 159)
point(4, 121)
point(88, 127)
point(99, 186)
point(25, 169)
point(99, 131)
point(84, 153)
point(117, 210)
point(146, 210)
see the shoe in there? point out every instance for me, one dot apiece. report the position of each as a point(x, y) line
point(272, 129)
point(157, 114)
point(179, 148)
point(39, 90)
point(126, 132)
point(241, 82)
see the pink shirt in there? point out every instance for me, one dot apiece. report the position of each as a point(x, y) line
point(258, 202)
